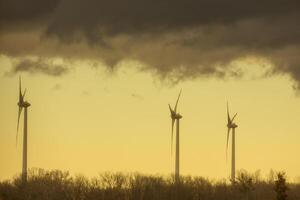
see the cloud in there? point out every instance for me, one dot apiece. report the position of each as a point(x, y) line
point(175, 40)
point(39, 66)
point(14, 11)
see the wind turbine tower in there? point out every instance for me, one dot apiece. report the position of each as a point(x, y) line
point(23, 104)
point(231, 126)
point(175, 116)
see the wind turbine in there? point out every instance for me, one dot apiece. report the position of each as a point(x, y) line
point(233, 126)
point(23, 104)
point(175, 116)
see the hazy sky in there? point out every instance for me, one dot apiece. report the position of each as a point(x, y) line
point(100, 75)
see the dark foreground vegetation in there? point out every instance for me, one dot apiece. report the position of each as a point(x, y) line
point(58, 185)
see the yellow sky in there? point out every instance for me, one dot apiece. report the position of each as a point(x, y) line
point(96, 121)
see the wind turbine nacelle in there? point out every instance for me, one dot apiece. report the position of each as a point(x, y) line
point(178, 116)
point(24, 104)
point(232, 125)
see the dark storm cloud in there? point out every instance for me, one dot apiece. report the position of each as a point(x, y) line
point(14, 11)
point(174, 39)
point(130, 16)
point(39, 66)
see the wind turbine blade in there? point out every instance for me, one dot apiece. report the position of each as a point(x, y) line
point(228, 116)
point(24, 94)
point(175, 108)
point(19, 115)
point(228, 132)
point(170, 109)
point(20, 90)
point(173, 121)
point(233, 117)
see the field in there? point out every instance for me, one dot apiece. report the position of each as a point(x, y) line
point(58, 185)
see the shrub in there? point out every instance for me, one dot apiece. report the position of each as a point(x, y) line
point(281, 187)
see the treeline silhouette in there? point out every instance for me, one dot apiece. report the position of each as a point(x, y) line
point(59, 185)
